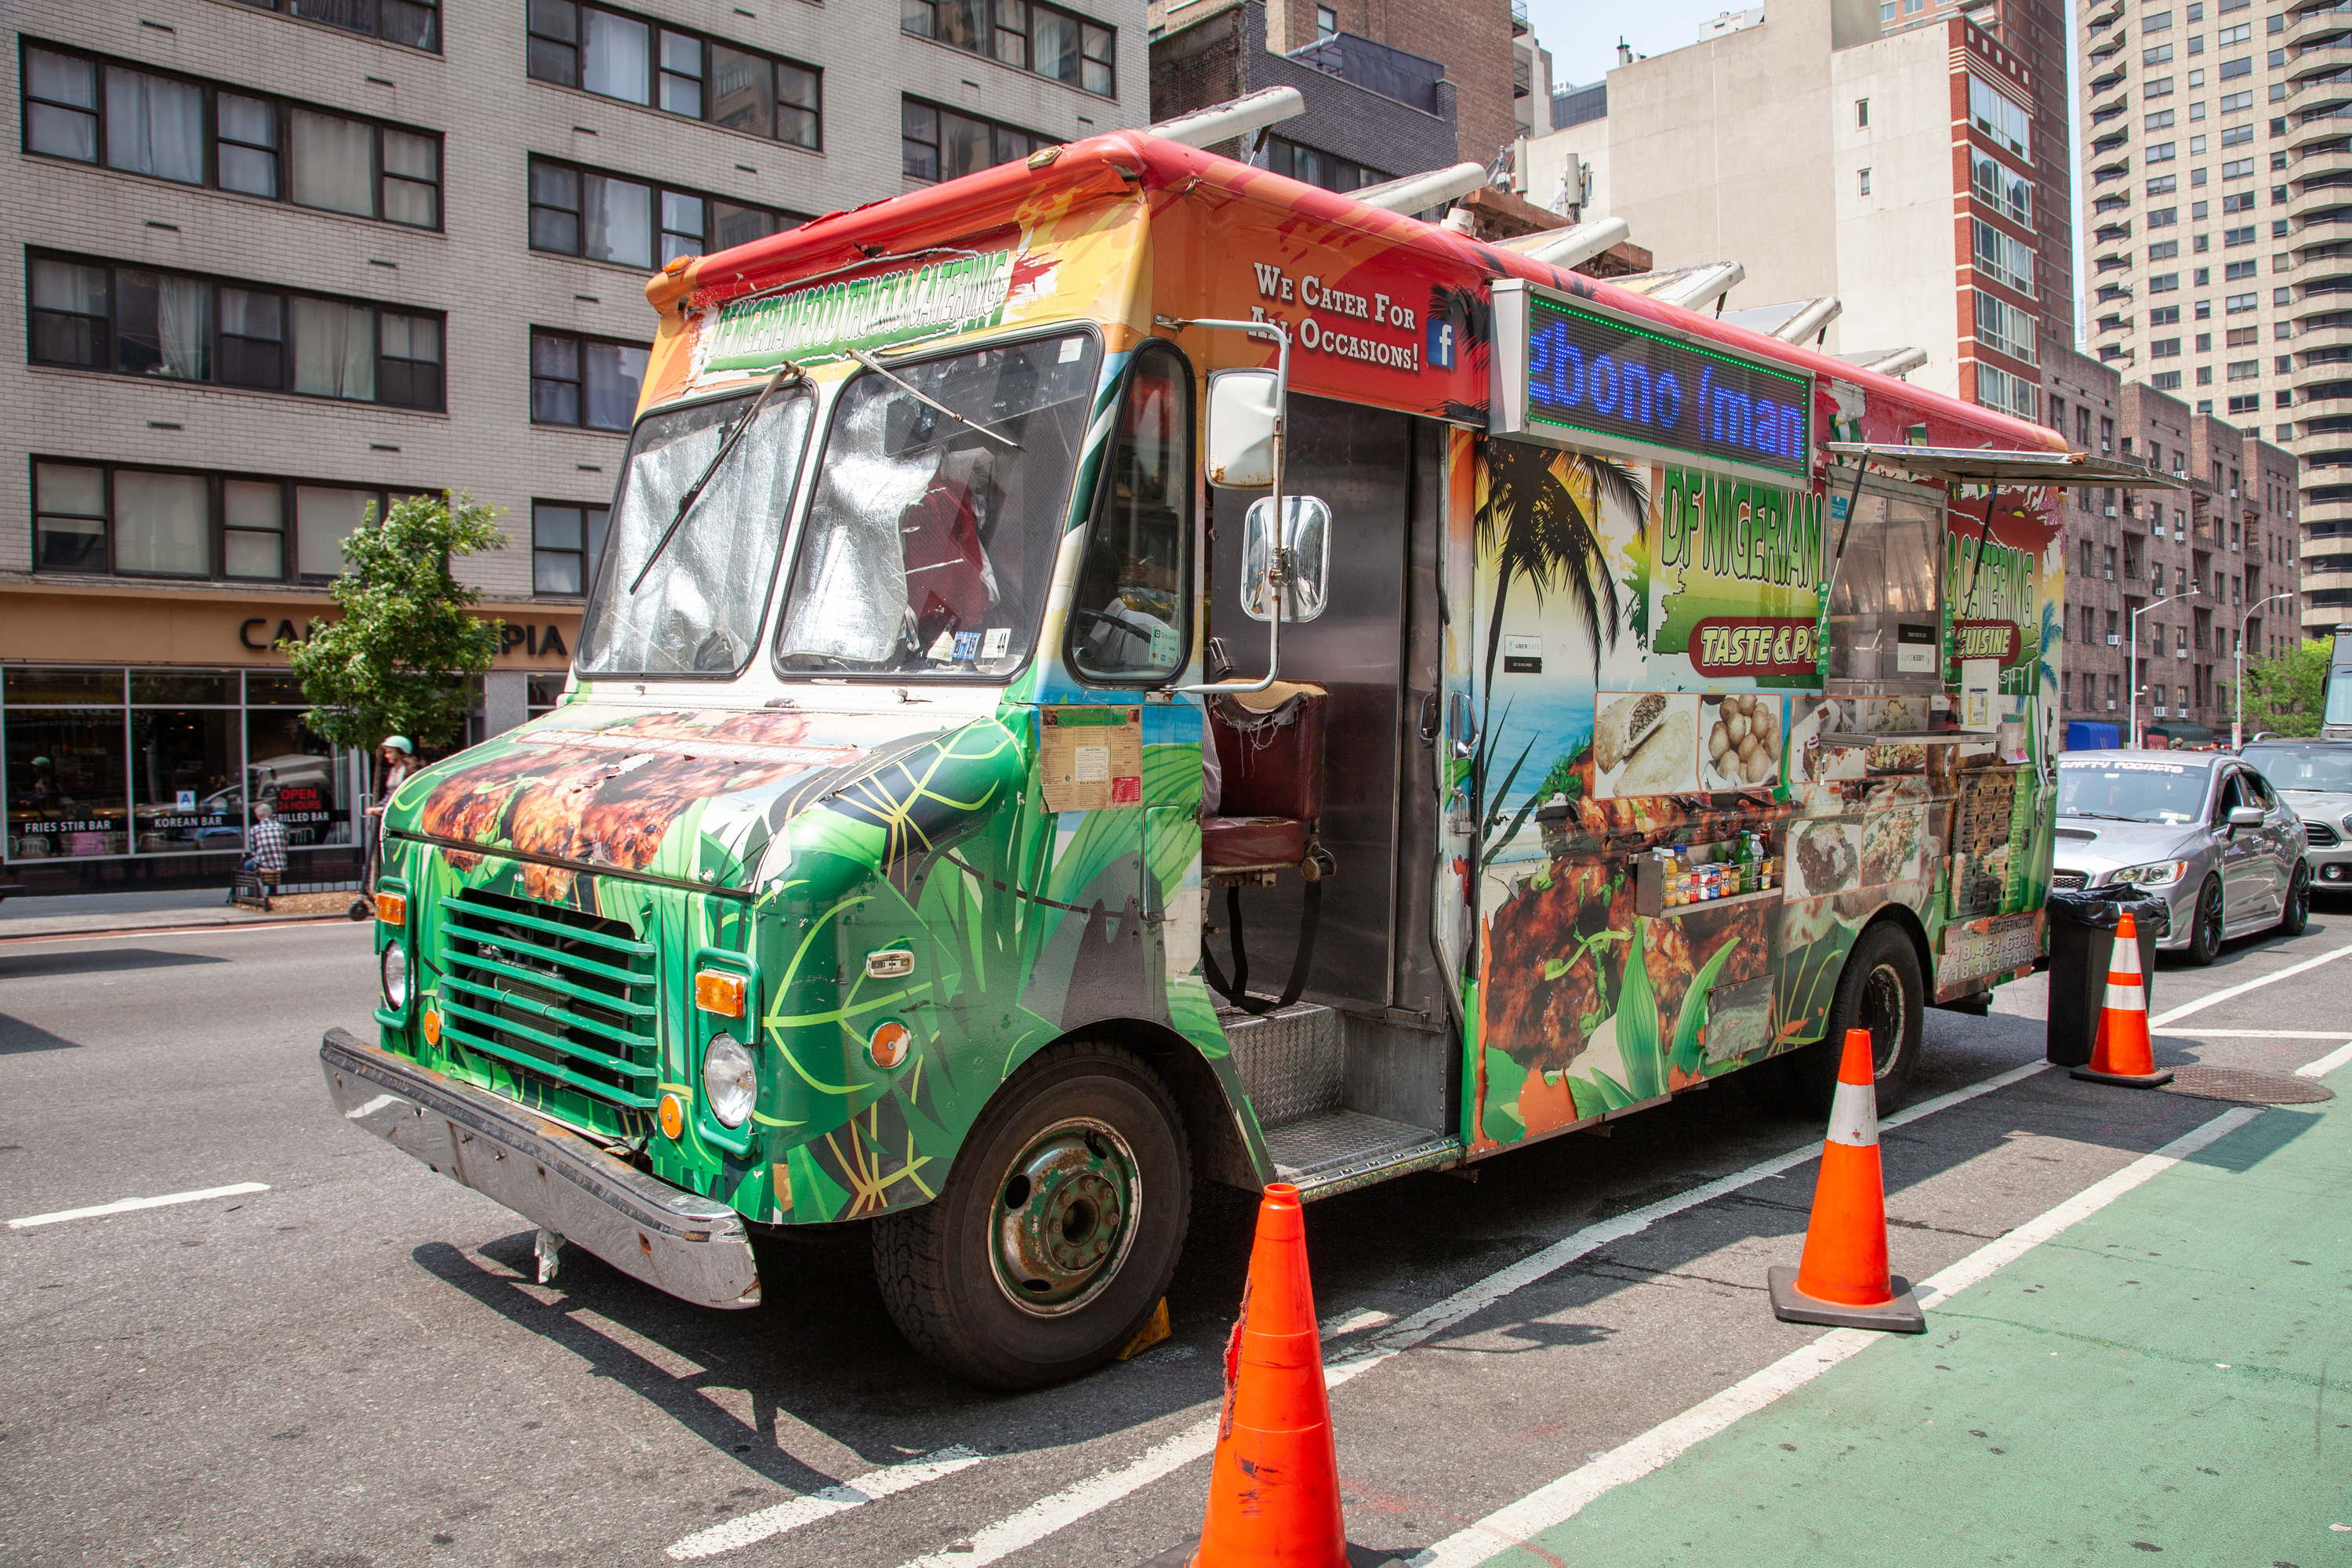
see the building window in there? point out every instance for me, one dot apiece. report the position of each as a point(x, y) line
point(174, 326)
point(164, 522)
point(2010, 394)
point(2004, 189)
point(611, 218)
point(1024, 35)
point(1997, 117)
point(616, 55)
point(937, 143)
point(2006, 328)
point(2004, 259)
point(417, 23)
point(1311, 166)
point(1866, 182)
point(590, 382)
point(193, 132)
point(2166, 380)
point(1327, 22)
point(567, 540)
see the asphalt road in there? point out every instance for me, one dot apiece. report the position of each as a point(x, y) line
point(354, 1366)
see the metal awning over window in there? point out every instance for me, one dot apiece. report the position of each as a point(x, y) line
point(1989, 466)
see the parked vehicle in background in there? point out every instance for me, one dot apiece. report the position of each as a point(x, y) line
point(2204, 830)
point(2335, 705)
point(2314, 777)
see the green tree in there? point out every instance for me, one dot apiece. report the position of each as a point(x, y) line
point(1540, 534)
point(398, 660)
point(2282, 692)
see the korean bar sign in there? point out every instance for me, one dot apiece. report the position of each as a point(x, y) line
point(1571, 375)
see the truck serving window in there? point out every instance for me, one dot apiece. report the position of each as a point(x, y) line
point(940, 506)
point(1885, 612)
point(699, 610)
point(1127, 619)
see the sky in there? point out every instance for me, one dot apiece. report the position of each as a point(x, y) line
point(1582, 36)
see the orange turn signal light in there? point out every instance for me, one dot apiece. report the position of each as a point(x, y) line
point(392, 909)
point(432, 1025)
point(673, 1117)
point(715, 991)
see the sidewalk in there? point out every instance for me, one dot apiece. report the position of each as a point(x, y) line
point(94, 914)
point(2171, 1375)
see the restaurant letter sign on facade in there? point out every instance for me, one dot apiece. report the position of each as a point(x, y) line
point(1571, 376)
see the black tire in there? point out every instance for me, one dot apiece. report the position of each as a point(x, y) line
point(1880, 989)
point(2206, 923)
point(2296, 913)
point(1091, 1121)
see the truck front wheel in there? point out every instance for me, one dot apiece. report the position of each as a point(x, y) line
point(1058, 1229)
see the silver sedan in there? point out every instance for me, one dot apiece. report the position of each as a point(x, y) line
point(2199, 830)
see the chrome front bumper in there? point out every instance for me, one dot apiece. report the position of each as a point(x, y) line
point(693, 1248)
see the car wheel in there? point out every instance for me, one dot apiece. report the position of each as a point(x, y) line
point(2205, 925)
point(1880, 990)
point(1057, 1231)
point(2295, 914)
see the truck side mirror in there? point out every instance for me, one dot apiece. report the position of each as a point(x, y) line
point(1245, 406)
point(1293, 569)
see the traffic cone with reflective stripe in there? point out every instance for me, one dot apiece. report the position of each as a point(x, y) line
point(1841, 1279)
point(2122, 1054)
point(1273, 1489)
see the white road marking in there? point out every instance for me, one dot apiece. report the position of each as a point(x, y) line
point(1562, 1500)
point(1350, 1322)
point(137, 933)
point(1066, 1507)
point(1073, 1503)
point(2203, 1003)
point(2261, 1034)
point(2326, 1064)
point(126, 1206)
point(800, 1510)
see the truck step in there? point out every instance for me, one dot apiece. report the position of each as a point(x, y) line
point(1336, 1150)
point(1290, 1061)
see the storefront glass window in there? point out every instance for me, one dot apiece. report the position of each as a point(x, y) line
point(306, 777)
point(184, 780)
point(63, 765)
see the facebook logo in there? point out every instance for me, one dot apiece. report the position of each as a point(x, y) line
point(1441, 342)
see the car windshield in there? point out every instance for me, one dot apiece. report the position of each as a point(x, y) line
point(2121, 790)
point(699, 610)
point(2305, 767)
point(940, 507)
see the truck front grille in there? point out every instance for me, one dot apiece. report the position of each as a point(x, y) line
point(566, 995)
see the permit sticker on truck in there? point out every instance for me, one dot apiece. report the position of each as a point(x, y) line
point(1090, 758)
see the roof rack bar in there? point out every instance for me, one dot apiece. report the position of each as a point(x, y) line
point(1416, 192)
point(1234, 117)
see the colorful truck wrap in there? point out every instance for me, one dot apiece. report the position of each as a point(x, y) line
point(886, 863)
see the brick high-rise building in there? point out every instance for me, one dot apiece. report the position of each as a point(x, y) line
point(279, 260)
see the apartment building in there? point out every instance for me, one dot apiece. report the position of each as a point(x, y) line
point(1906, 160)
point(276, 262)
point(2217, 157)
point(2201, 568)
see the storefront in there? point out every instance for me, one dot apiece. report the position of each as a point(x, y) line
point(138, 728)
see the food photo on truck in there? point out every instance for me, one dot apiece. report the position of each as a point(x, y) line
point(1124, 667)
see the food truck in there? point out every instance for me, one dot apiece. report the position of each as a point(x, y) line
point(1124, 667)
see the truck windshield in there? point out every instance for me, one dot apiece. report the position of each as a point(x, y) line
point(699, 610)
point(930, 540)
point(2168, 793)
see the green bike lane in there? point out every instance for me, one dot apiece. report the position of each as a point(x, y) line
point(2169, 1374)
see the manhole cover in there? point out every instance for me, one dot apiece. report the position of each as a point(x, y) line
point(2249, 1087)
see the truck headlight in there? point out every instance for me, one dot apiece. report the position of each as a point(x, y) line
point(392, 969)
point(2163, 874)
point(728, 1081)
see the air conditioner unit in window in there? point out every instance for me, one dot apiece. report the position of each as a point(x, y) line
point(2111, 512)
point(2111, 704)
point(2114, 639)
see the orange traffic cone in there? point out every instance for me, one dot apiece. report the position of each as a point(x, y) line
point(1843, 1278)
point(2121, 1054)
point(1274, 1490)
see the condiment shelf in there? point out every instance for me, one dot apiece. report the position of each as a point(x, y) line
point(1733, 902)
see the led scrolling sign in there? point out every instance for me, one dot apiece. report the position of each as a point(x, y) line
point(1570, 375)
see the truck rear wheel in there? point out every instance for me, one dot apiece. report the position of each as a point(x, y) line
point(1880, 990)
point(1058, 1229)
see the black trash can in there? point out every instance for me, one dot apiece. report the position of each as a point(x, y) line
point(2081, 942)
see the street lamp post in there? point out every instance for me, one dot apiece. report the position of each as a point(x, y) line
point(2238, 722)
point(2132, 682)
